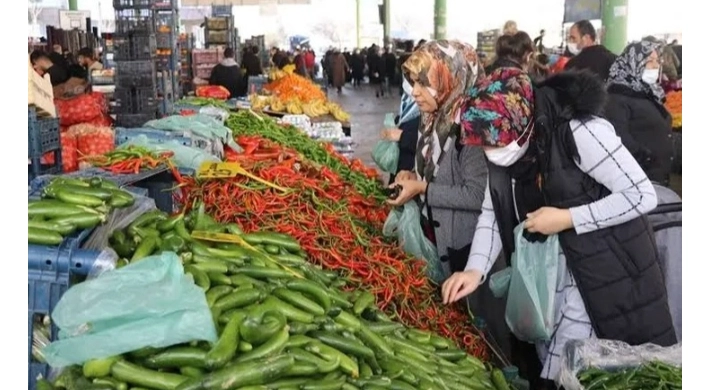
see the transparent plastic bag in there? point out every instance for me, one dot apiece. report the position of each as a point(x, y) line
point(118, 219)
point(579, 355)
point(218, 113)
point(110, 315)
point(183, 156)
point(386, 155)
point(530, 308)
point(499, 282)
point(405, 223)
point(203, 125)
point(104, 262)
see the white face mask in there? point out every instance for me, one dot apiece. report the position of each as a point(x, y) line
point(508, 155)
point(407, 87)
point(650, 76)
point(573, 48)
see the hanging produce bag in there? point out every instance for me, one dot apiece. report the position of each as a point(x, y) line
point(386, 153)
point(110, 315)
point(404, 222)
point(81, 109)
point(530, 283)
point(70, 159)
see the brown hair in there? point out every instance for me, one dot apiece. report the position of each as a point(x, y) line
point(515, 47)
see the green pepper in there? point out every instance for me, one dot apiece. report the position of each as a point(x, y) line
point(260, 326)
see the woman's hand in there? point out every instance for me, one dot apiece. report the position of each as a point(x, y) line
point(391, 134)
point(410, 189)
point(459, 285)
point(549, 220)
point(405, 175)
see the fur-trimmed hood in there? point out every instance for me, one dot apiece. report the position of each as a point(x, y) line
point(573, 94)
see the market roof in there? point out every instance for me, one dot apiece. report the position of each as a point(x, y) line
point(190, 3)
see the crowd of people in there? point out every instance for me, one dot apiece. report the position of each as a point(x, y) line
point(579, 151)
point(68, 72)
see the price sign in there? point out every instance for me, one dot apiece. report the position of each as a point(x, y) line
point(218, 170)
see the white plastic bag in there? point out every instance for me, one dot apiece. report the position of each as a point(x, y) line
point(117, 220)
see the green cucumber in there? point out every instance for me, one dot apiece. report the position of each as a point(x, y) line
point(78, 199)
point(81, 221)
point(63, 229)
point(43, 237)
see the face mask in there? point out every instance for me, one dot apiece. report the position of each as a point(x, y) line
point(508, 155)
point(573, 48)
point(650, 76)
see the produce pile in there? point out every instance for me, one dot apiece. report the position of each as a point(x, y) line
point(213, 92)
point(130, 160)
point(297, 95)
point(355, 172)
point(337, 227)
point(283, 323)
point(654, 375)
point(674, 105)
point(70, 204)
point(203, 102)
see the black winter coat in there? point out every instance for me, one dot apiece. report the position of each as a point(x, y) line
point(597, 59)
point(644, 127)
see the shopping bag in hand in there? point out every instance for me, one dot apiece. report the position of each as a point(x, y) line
point(530, 283)
point(386, 152)
point(151, 303)
point(404, 222)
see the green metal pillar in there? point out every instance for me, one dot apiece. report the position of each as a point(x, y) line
point(439, 19)
point(386, 22)
point(357, 22)
point(614, 24)
point(73, 5)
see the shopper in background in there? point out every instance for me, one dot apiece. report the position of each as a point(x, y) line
point(510, 28)
point(635, 108)
point(373, 64)
point(228, 74)
point(408, 50)
point(251, 62)
point(299, 61)
point(538, 42)
point(448, 178)
point(584, 186)
point(515, 50)
point(42, 64)
point(85, 57)
point(357, 65)
point(671, 63)
point(390, 69)
point(381, 74)
point(407, 131)
point(279, 58)
point(339, 66)
point(588, 54)
point(310, 58)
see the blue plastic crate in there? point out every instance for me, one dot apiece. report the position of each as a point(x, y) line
point(133, 120)
point(43, 135)
point(119, 179)
point(123, 135)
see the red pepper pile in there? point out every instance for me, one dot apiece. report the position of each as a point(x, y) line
point(213, 91)
point(338, 228)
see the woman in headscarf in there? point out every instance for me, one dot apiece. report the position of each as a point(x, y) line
point(568, 175)
point(407, 130)
point(635, 108)
point(448, 178)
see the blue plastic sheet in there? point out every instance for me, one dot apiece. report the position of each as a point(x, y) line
point(151, 303)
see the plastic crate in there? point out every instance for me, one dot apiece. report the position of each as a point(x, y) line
point(135, 100)
point(120, 179)
point(133, 21)
point(123, 135)
point(202, 71)
point(135, 73)
point(43, 135)
point(161, 188)
point(133, 120)
point(205, 56)
point(122, 4)
point(35, 167)
point(48, 278)
point(133, 47)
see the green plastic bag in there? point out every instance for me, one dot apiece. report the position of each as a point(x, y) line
point(530, 283)
point(404, 222)
point(151, 303)
point(386, 153)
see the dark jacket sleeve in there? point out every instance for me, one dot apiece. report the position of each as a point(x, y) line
point(619, 115)
point(408, 144)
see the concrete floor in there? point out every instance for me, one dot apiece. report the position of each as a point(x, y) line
point(368, 113)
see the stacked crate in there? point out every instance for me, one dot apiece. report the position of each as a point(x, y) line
point(134, 46)
point(165, 16)
point(43, 141)
point(203, 60)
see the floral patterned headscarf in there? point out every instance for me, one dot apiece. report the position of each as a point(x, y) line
point(628, 68)
point(499, 108)
point(447, 69)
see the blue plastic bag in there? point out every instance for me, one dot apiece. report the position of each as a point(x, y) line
point(530, 283)
point(151, 303)
point(405, 223)
point(386, 153)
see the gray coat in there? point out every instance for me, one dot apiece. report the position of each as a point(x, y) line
point(456, 195)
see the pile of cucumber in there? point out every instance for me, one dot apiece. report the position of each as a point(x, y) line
point(70, 204)
point(283, 323)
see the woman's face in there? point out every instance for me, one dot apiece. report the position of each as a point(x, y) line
point(653, 61)
point(424, 99)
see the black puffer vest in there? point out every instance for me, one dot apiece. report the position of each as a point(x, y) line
point(616, 268)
